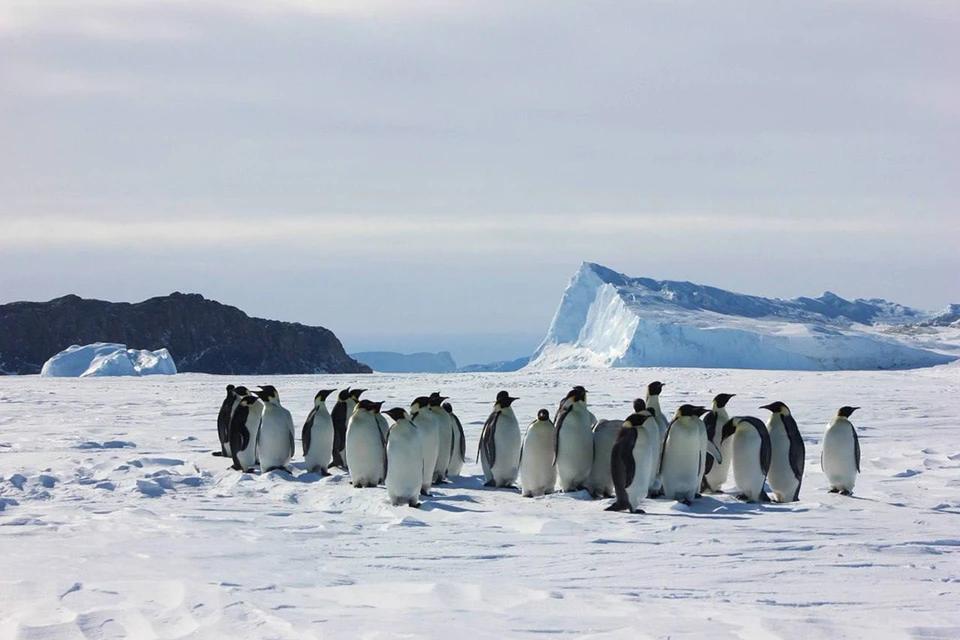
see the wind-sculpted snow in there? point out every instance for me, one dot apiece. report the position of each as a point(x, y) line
point(607, 319)
point(116, 522)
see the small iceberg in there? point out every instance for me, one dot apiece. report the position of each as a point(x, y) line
point(107, 359)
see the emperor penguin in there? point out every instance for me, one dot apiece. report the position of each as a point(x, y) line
point(538, 476)
point(749, 442)
point(340, 415)
point(223, 421)
point(716, 474)
point(429, 439)
point(500, 444)
point(459, 445)
point(445, 437)
point(840, 457)
point(789, 454)
point(317, 435)
point(366, 453)
point(275, 441)
point(573, 441)
point(404, 460)
point(600, 480)
point(685, 447)
point(244, 429)
point(632, 460)
point(652, 402)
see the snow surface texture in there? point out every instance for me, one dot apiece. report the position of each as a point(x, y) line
point(115, 521)
point(607, 319)
point(107, 359)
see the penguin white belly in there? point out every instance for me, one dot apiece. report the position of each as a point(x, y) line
point(537, 473)
point(320, 454)
point(643, 460)
point(600, 480)
point(430, 444)
point(656, 482)
point(506, 439)
point(681, 464)
point(404, 465)
point(275, 443)
point(839, 457)
point(444, 442)
point(747, 472)
point(782, 481)
point(652, 427)
point(574, 452)
point(364, 452)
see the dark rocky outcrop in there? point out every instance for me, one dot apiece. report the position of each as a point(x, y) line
point(202, 336)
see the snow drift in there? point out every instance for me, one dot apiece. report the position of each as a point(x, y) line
point(607, 319)
point(107, 359)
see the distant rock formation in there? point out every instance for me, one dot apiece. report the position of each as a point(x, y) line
point(201, 335)
point(503, 366)
point(390, 362)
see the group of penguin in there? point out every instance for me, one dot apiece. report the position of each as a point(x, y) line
point(644, 456)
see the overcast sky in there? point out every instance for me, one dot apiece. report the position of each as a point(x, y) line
point(440, 168)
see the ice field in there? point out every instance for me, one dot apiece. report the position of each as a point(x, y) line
point(115, 522)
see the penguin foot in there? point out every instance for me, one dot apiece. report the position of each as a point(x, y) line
point(686, 502)
point(618, 506)
point(846, 492)
point(526, 494)
point(698, 496)
point(834, 490)
point(742, 497)
point(426, 493)
point(764, 497)
point(490, 483)
point(219, 454)
point(413, 504)
point(638, 511)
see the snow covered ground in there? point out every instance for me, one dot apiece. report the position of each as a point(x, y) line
point(115, 521)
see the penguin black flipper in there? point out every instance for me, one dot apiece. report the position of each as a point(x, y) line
point(622, 465)
point(293, 445)
point(561, 416)
point(339, 418)
point(710, 419)
point(856, 448)
point(663, 446)
point(797, 450)
point(463, 439)
point(305, 434)
point(487, 438)
point(239, 436)
point(223, 419)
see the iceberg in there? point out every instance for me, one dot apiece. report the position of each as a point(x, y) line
point(607, 319)
point(107, 359)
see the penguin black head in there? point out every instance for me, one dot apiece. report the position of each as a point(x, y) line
point(355, 393)
point(846, 412)
point(322, 395)
point(267, 393)
point(397, 413)
point(637, 418)
point(230, 389)
point(343, 395)
point(436, 399)
point(577, 393)
point(639, 405)
point(369, 405)
point(504, 400)
point(377, 406)
point(690, 410)
point(776, 407)
point(421, 402)
point(654, 388)
point(242, 391)
point(448, 407)
point(543, 415)
point(721, 399)
point(250, 399)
